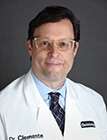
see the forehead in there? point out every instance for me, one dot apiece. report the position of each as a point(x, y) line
point(61, 29)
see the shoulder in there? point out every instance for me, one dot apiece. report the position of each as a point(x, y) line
point(13, 90)
point(13, 85)
point(85, 93)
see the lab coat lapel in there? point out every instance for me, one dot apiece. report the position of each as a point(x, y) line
point(48, 122)
point(73, 116)
point(45, 122)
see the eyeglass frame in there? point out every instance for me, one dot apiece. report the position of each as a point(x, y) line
point(35, 38)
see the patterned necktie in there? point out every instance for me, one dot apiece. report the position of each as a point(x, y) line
point(57, 110)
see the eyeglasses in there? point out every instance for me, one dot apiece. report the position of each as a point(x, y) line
point(46, 44)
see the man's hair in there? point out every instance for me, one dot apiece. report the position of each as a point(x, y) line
point(52, 14)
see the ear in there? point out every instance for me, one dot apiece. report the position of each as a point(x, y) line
point(29, 47)
point(76, 48)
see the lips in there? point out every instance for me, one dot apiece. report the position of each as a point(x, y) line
point(53, 63)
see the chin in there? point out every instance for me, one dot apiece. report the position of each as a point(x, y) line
point(55, 77)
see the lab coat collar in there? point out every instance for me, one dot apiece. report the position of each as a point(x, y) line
point(31, 91)
point(70, 87)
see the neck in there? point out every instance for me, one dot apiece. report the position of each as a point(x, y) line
point(53, 84)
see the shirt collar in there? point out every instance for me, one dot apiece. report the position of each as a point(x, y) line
point(45, 89)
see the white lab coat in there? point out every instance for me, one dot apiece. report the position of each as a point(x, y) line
point(25, 116)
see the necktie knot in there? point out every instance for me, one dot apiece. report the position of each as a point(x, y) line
point(54, 97)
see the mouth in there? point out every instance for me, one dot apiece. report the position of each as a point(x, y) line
point(52, 63)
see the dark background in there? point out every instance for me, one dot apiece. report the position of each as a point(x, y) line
point(90, 67)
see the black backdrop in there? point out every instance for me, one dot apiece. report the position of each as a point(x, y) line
point(90, 67)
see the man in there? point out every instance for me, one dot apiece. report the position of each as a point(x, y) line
point(44, 103)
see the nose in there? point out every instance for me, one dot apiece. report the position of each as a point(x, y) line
point(54, 52)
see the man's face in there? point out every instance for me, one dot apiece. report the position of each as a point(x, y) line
point(53, 65)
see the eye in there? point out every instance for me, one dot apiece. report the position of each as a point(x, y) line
point(44, 43)
point(63, 44)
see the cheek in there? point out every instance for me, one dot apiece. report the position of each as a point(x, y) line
point(69, 59)
point(35, 57)
point(38, 57)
